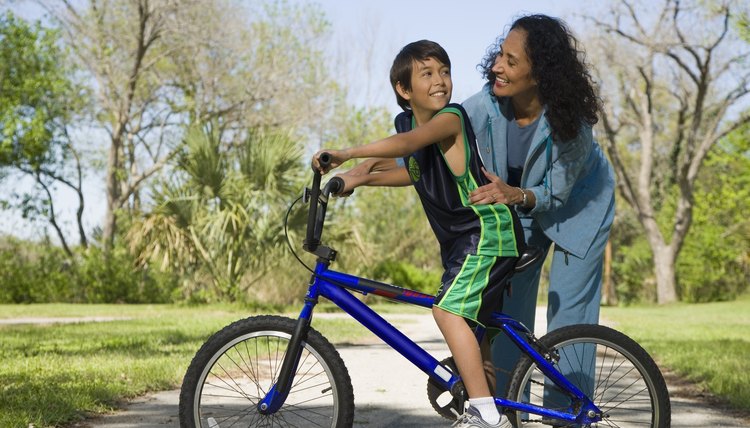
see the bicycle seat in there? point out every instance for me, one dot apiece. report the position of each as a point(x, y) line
point(529, 255)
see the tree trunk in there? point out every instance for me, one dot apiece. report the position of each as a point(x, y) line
point(609, 294)
point(52, 217)
point(113, 194)
point(664, 267)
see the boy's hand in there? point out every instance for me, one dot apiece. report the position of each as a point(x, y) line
point(337, 158)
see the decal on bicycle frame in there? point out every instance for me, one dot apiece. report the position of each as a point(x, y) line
point(442, 373)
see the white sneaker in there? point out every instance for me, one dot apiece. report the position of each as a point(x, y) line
point(473, 419)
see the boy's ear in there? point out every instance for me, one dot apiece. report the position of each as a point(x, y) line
point(403, 92)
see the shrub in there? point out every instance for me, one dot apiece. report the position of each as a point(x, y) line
point(115, 278)
point(42, 273)
point(33, 273)
point(404, 274)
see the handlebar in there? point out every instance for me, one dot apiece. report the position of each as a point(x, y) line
point(335, 186)
point(318, 204)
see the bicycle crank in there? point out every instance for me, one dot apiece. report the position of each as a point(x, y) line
point(445, 403)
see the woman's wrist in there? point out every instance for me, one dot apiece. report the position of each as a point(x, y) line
point(523, 199)
point(368, 165)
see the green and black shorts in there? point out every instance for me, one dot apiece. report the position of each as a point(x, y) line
point(473, 287)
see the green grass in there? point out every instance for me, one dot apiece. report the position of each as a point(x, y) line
point(53, 375)
point(57, 374)
point(708, 344)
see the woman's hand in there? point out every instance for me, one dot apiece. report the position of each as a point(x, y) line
point(374, 172)
point(363, 168)
point(337, 158)
point(496, 192)
point(351, 181)
point(353, 177)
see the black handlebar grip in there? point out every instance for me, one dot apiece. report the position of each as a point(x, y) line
point(336, 185)
point(325, 159)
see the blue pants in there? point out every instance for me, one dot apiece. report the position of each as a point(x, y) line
point(574, 292)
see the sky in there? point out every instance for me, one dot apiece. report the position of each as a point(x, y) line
point(368, 34)
point(365, 37)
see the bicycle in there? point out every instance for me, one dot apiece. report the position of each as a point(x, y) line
point(277, 371)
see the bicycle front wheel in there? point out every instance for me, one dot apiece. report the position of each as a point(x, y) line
point(622, 378)
point(235, 368)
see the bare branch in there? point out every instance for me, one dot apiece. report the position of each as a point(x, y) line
point(51, 216)
point(134, 183)
point(623, 181)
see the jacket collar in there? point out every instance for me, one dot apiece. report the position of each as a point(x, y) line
point(502, 106)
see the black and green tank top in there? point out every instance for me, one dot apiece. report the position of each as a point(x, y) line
point(460, 227)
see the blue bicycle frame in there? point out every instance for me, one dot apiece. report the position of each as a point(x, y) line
point(334, 286)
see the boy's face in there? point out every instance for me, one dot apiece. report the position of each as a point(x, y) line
point(431, 85)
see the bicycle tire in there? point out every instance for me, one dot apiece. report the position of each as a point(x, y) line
point(235, 367)
point(627, 385)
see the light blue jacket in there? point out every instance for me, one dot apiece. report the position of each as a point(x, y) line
point(572, 180)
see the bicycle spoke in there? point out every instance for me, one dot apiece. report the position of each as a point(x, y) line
point(620, 377)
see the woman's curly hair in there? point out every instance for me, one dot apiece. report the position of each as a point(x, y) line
point(565, 85)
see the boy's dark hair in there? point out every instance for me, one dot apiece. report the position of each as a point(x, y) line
point(558, 65)
point(402, 64)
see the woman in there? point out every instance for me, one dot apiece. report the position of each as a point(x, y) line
point(533, 124)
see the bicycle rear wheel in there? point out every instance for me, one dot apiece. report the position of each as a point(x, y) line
point(235, 368)
point(622, 378)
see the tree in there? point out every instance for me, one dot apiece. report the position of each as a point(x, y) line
point(672, 80)
point(220, 216)
point(159, 66)
point(38, 101)
point(720, 238)
point(118, 43)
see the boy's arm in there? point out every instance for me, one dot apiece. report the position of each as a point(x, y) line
point(439, 128)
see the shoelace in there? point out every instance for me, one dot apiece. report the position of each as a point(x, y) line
point(465, 418)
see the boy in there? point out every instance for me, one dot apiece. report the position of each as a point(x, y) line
point(479, 245)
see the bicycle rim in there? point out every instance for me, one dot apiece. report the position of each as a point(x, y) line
point(619, 377)
point(240, 374)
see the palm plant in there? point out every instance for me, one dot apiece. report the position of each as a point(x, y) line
point(217, 221)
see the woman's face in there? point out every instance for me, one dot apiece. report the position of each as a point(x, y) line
point(512, 67)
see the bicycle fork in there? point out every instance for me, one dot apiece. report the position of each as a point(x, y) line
point(278, 393)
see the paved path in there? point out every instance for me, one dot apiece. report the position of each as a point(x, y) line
point(389, 391)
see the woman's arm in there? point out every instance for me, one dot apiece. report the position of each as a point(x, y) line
point(566, 170)
point(567, 165)
point(394, 177)
point(373, 165)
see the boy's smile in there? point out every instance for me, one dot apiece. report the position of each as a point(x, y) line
point(431, 88)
